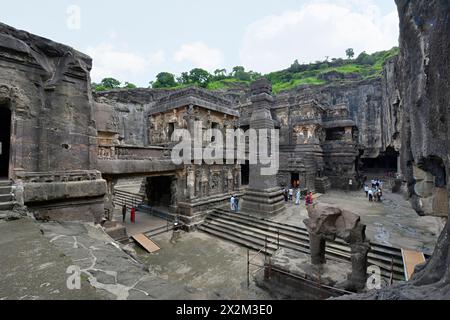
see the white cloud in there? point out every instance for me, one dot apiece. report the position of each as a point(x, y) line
point(108, 61)
point(200, 56)
point(320, 28)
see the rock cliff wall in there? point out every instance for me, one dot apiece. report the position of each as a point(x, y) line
point(422, 81)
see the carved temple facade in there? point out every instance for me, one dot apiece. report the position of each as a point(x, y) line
point(70, 151)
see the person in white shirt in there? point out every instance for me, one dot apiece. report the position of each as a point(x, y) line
point(233, 204)
point(370, 195)
point(291, 194)
point(366, 190)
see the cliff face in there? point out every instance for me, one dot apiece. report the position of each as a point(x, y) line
point(422, 112)
point(45, 89)
point(373, 106)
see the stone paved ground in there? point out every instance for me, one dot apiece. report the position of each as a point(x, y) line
point(392, 222)
point(216, 267)
point(34, 258)
point(32, 268)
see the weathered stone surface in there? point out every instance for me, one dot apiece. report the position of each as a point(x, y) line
point(46, 86)
point(263, 197)
point(423, 80)
point(328, 223)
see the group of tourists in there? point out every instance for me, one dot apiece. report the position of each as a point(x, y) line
point(234, 202)
point(374, 192)
point(292, 194)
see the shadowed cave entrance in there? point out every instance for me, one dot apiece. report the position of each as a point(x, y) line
point(5, 140)
point(386, 163)
point(159, 191)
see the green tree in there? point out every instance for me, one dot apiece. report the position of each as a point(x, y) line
point(164, 80)
point(366, 59)
point(110, 83)
point(200, 77)
point(129, 85)
point(240, 74)
point(220, 74)
point(184, 78)
point(350, 53)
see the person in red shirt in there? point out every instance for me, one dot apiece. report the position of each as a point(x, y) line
point(309, 199)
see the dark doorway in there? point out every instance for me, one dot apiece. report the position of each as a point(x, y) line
point(386, 162)
point(5, 140)
point(159, 192)
point(295, 180)
point(245, 173)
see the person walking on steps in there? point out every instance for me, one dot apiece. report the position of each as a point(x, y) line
point(233, 203)
point(236, 204)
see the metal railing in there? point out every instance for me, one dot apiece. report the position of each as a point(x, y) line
point(265, 250)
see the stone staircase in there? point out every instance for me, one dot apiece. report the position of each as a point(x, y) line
point(129, 199)
point(6, 195)
point(268, 236)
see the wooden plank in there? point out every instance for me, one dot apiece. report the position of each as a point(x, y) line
point(411, 259)
point(146, 243)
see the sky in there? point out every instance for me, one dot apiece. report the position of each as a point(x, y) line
point(134, 40)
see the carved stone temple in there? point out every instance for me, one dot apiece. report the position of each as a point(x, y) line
point(70, 154)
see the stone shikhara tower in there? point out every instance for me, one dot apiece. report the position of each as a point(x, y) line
point(264, 198)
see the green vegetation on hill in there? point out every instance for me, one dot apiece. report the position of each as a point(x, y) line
point(365, 66)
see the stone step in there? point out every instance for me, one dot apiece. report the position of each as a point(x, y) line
point(237, 226)
point(6, 205)
point(336, 251)
point(125, 198)
point(5, 190)
point(6, 198)
point(247, 242)
point(291, 229)
point(5, 183)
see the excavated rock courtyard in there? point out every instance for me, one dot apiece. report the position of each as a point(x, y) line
point(195, 266)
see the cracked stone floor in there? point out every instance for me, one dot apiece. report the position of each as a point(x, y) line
point(36, 257)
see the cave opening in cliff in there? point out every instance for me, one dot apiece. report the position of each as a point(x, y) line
point(5, 140)
point(159, 191)
point(387, 162)
point(245, 173)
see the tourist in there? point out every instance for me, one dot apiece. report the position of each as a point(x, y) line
point(291, 194)
point(124, 212)
point(350, 185)
point(286, 195)
point(309, 199)
point(366, 190)
point(236, 203)
point(298, 197)
point(233, 203)
point(370, 195)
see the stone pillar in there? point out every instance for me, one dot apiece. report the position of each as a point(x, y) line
point(263, 198)
point(190, 183)
point(318, 249)
point(358, 277)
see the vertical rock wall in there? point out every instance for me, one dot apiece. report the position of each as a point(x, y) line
point(46, 86)
point(422, 78)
